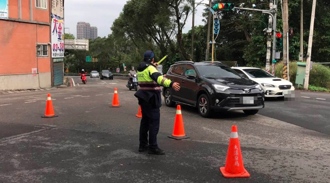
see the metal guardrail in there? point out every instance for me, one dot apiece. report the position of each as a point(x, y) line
point(88, 74)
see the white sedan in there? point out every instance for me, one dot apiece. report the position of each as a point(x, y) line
point(272, 86)
point(95, 74)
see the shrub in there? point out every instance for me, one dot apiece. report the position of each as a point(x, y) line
point(315, 88)
point(320, 76)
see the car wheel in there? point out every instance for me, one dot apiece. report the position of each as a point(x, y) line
point(251, 112)
point(204, 107)
point(167, 97)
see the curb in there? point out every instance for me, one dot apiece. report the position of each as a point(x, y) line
point(27, 90)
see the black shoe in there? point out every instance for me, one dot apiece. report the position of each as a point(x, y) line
point(143, 148)
point(156, 151)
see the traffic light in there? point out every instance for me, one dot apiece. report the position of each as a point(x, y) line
point(279, 41)
point(224, 6)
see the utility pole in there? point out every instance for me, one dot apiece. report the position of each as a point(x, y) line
point(274, 35)
point(192, 31)
point(208, 35)
point(301, 54)
point(285, 18)
point(310, 44)
point(213, 41)
point(269, 39)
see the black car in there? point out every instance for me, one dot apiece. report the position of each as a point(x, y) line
point(211, 86)
point(106, 74)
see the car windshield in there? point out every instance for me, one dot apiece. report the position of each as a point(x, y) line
point(94, 72)
point(258, 73)
point(106, 71)
point(216, 71)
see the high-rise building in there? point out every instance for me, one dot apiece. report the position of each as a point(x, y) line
point(93, 33)
point(85, 31)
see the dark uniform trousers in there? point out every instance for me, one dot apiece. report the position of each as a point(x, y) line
point(149, 123)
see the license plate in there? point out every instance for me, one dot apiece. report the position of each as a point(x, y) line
point(286, 92)
point(248, 100)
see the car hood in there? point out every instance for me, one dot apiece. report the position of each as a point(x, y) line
point(233, 82)
point(273, 81)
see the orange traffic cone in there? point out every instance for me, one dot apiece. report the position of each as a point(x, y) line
point(115, 101)
point(49, 113)
point(234, 162)
point(139, 114)
point(178, 131)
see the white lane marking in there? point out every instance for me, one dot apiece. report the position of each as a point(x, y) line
point(29, 102)
point(112, 83)
point(98, 95)
point(321, 99)
point(68, 98)
point(85, 96)
point(2, 105)
point(304, 97)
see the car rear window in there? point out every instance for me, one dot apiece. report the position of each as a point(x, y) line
point(216, 71)
point(258, 73)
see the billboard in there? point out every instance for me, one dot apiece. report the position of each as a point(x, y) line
point(57, 8)
point(57, 29)
point(3, 9)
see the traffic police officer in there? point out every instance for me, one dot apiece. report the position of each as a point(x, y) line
point(149, 96)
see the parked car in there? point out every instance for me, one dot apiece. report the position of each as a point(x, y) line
point(271, 85)
point(212, 86)
point(106, 74)
point(94, 74)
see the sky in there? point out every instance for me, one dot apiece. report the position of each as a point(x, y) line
point(102, 13)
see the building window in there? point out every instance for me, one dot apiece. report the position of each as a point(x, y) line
point(42, 50)
point(41, 4)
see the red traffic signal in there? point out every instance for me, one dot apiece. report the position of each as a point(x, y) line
point(278, 35)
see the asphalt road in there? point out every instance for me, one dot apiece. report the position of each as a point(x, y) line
point(92, 142)
point(307, 109)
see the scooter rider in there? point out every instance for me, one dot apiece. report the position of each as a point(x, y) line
point(131, 74)
point(82, 72)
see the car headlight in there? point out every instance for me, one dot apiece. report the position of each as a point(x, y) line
point(268, 85)
point(220, 88)
point(258, 87)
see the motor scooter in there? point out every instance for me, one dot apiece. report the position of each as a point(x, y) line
point(133, 84)
point(83, 78)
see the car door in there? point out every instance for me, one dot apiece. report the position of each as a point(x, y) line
point(189, 86)
point(176, 75)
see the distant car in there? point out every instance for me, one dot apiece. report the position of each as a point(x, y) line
point(106, 74)
point(272, 86)
point(94, 74)
point(212, 86)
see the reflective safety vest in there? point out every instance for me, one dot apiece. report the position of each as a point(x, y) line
point(150, 79)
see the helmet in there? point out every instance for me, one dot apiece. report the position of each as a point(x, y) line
point(82, 70)
point(148, 56)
